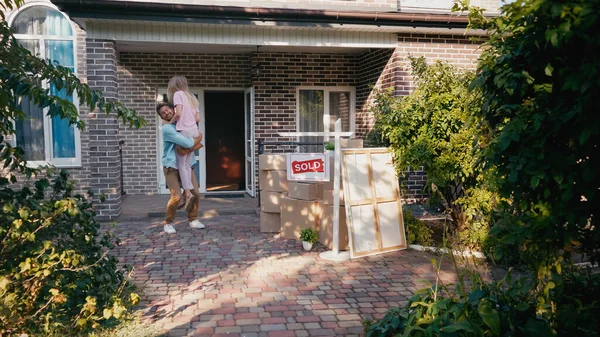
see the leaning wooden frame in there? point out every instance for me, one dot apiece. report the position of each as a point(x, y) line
point(373, 205)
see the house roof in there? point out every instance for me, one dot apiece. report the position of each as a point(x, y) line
point(187, 11)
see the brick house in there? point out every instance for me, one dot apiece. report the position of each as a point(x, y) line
point(257, 68)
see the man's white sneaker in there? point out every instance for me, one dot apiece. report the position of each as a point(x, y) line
point(196, 224)
point(169, 229)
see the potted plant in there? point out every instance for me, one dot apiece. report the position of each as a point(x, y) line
point(329, 147)
point(308, 237)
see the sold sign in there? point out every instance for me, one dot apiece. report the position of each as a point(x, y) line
point(308, 166)
point(314, 165)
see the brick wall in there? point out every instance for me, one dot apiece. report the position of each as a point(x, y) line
point(376, 71)
point(82, 174)
point(384, 68)
point(104, 159)
point(458, 50)
point(281, 75)
point(139, 76)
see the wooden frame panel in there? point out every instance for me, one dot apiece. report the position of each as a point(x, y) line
point(382, 229)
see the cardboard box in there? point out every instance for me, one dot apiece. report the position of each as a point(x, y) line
point(355, 143)
point(326, 229)
point(270, 202)
point(328, 196)
point(273, 181)
point(270, 222)
point(305, 191)
point(272, 162)
point(299, 214)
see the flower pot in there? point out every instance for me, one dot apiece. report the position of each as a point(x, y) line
point(307, 245)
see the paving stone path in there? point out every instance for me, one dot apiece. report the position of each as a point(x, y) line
point(231, 280)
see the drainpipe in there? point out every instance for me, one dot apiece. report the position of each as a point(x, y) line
point(261, 150)
point(121, 143)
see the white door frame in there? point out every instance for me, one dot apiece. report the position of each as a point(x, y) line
point(200, 158)
point(249, 157)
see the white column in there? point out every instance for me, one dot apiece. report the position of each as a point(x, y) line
point(336, 188)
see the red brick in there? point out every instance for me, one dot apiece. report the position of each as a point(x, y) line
point(282, 334)
point(274, 320)
point(245, 315)
point(308, 319)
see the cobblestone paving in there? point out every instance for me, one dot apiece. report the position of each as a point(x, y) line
point(231, 280)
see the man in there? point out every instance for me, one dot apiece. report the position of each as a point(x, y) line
point(171, 139)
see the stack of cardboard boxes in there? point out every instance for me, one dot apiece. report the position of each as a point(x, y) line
point(273, 185)
point(302, 208)
point(289, 207)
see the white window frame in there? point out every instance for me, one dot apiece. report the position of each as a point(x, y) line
point(48, 139)
point(326, 91)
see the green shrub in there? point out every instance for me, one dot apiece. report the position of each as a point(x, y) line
point(374, 138)
point(309, 235)
point(539, 122)
point(505, 308)
point(432, 128)
point(416, 231)
point(539, 86)
point(56, 276)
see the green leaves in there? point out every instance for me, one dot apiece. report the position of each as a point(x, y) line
point(457, 327)
point(538, 120)
point(52, 255)
point(51, 250)
point(544, 131)
point(26, 77)
point(433, 128)
point(489, 316)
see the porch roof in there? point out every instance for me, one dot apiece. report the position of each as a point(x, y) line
point(319, 19)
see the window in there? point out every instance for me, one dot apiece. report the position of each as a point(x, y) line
point(47, 33)
point(319, 108)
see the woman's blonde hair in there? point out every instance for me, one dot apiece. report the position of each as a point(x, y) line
point(179, 83)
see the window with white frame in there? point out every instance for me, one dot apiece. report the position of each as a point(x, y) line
point(47, 33)
point(320, 107)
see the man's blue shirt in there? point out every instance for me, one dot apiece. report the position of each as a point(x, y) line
point(171, 138)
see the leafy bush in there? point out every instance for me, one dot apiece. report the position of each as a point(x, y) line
point(431, 128)
point(56, 276)
point(538, 81)
point(541, 131)
point(309, 235)
point(505, 308)
point(416, 231)
point(55, 272)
